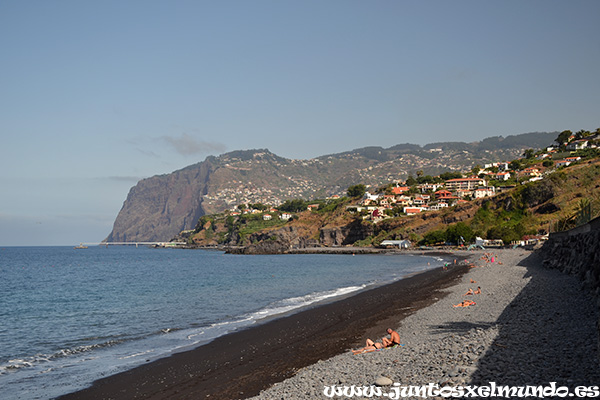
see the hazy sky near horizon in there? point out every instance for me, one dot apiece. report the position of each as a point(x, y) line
point(97, 95)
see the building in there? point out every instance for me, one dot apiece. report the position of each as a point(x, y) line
point(397, 190)
point(484, 192)
point(578, 144)
point(414, 210)
point(401, 244)
point(464, 183)
point(502, 176)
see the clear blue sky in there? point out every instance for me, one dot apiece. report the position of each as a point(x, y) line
point(95, 95)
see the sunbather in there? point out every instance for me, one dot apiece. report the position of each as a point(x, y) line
point(464, 303)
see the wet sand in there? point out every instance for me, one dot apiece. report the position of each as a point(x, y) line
point(241, 364)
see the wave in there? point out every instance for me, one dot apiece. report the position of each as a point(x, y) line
point(210, 332)
point(35, 360)
point(295, 303)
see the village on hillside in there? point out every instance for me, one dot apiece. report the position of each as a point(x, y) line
point(425, 193)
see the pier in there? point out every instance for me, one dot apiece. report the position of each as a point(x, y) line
point(136, 244)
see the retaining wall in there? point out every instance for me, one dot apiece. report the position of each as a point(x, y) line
point(577, 252)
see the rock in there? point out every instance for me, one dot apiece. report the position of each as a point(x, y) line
point(384, 381)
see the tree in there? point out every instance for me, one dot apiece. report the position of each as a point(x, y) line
point(295, 205)
point(563, 137)
point(515, 165)
point(459, 233)
point(529, 153)
point(357, 190)
point(450, 175)
point(434, 237)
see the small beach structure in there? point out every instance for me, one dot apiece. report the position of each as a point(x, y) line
point(401, 244)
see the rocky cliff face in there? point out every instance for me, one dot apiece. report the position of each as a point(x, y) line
point(158, 208)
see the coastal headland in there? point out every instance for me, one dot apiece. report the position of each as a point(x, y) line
point(530, 326)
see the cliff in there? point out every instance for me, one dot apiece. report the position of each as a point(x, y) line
point(159, 207)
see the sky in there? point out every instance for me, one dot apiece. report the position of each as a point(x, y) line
point(96, 95)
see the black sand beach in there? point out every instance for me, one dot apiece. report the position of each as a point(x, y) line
point(241, 364)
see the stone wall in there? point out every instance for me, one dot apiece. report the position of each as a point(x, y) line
point(577, 252)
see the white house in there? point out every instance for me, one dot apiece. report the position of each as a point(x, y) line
point(578, 144)
point(503, 176)
point(484, 192)
point(438, 206)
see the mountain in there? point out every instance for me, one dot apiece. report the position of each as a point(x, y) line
point(158, 208)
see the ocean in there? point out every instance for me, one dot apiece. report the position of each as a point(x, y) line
point(71, 316)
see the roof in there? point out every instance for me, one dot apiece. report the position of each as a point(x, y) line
point(464, 179)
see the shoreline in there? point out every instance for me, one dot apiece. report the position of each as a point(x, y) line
point(242, 363)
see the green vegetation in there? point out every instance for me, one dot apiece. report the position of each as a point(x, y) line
point(357, 190)
point(293, 206)
point(459, 233)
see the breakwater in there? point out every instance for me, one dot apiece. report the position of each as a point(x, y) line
point(577, 252)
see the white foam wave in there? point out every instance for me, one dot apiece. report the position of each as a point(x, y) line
point(294, 303)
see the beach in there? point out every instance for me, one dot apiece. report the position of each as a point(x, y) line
point(520, 331)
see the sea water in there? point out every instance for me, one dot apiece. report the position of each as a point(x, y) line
point(71, 316)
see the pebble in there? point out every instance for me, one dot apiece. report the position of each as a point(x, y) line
point(523, 334)
point(384, 381)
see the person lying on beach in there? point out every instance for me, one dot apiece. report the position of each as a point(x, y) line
point(393, 340)
point(472, 281)
point(370, 346)
point(478, 291)
point(469, 292)
point(464, 303)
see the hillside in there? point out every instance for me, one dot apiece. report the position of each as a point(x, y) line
point(159, 207)
point(528, 209)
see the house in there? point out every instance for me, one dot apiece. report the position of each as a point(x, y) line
point(578, 144)
point(562, 163)
point(442, 194)
point(372, 197)
point(285, 216)
point(460, 193)
point(404, 200)
point(312, 207)
point(572, 159)
point(429, 187)
point(267, 217)
point(484, 192)
point(502, 176)
point(531, 172)
point(421, 200)
point(438, 206)
point(464, 183)
point(414, 210)
point(397, 190)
